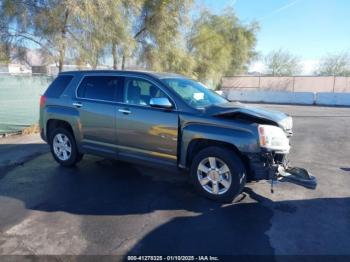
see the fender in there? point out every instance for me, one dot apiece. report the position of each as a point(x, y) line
point(242, 138)
point(69, 115)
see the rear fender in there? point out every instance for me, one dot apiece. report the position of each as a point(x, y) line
point(69, 115)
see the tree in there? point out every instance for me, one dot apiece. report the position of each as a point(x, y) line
point(159, 34)
point(93, 27)
point(89, 33)
point(221, 45)
point(58, 25)
point(152, 32)
point(282, 63)
point(334, 65)
point(111, 26)
point(45, 23)
point(4, 53)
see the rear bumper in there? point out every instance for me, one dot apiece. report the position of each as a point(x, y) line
point(42, 134)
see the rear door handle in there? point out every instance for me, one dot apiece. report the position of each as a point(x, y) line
point(77, 104)
point(124, 111)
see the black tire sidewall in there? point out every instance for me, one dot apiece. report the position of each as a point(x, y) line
point(74, 157)
point(235, 165)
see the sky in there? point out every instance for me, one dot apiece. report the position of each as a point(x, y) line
point(309, 29)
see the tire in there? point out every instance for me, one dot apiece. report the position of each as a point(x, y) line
point(220, 183)
point(69, 158)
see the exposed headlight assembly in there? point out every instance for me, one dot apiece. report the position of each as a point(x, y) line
point(273, 138)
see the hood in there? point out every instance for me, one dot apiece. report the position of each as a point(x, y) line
point(233, 108)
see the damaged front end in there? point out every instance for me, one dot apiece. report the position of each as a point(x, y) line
point(274, 131)
point(279, 170)
point(274, 142)
point(275, 167)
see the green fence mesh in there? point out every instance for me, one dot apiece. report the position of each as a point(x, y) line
point(19, 100)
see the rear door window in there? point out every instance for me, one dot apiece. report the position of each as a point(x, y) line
point(99, 88)
point(57, 87)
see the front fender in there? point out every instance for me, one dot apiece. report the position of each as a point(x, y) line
point(244, 139)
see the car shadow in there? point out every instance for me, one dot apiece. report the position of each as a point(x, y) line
point(98, 188)
point(13, 155)
point(233, 229)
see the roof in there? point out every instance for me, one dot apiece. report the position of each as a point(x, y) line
point(159, 75)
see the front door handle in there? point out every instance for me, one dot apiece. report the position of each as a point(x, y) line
point(77, 104)
point(125, 111)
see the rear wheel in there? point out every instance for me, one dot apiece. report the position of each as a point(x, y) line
point(218, 173)
point(63, 147)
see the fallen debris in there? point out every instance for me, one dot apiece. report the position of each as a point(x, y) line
point(297, 175)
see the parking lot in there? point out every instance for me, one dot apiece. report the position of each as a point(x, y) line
point(109, 207)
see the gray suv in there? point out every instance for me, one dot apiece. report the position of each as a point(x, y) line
point(163, 120)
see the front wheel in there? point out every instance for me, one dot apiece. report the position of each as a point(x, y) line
point(218, 174)
point(63, 147)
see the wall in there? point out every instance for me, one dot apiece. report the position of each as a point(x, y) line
point(327, 90)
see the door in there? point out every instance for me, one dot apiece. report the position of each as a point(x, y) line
point(96, 103)
point(144, 131)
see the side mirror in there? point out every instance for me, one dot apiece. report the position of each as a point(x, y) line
point(161, 102)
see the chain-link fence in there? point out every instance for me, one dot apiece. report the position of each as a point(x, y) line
point(19, 100)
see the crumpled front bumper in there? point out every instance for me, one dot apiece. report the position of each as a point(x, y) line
point(260, 165)
point(296, 175)
point(275, 167)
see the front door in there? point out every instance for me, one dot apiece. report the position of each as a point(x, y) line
point(144, 131)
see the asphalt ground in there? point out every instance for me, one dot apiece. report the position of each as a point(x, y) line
point(113, 208)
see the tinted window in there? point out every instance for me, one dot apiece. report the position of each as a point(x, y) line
point(58, 86)
point(140, 92)
point(99, 87)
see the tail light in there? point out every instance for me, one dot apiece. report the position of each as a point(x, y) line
point(42, 101)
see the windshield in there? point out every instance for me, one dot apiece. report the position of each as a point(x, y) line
point(194, 93)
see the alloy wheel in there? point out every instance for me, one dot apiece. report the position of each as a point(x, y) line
point(214, 175)
point(62, 147)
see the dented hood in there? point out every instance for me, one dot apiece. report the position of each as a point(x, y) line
point(236, 107)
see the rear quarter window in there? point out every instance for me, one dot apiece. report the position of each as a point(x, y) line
point(57, 87)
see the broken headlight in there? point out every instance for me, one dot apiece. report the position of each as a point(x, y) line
point(273, 138)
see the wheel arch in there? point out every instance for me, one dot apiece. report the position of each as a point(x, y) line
point(196, 145)
point(53, 123)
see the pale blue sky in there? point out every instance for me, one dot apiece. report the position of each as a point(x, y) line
point(307, 28)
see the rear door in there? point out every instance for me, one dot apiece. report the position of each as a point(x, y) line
point(96, 103)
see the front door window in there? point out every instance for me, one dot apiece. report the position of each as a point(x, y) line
point(140, 92)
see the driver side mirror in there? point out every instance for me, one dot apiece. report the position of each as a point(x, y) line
point(160, 102)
